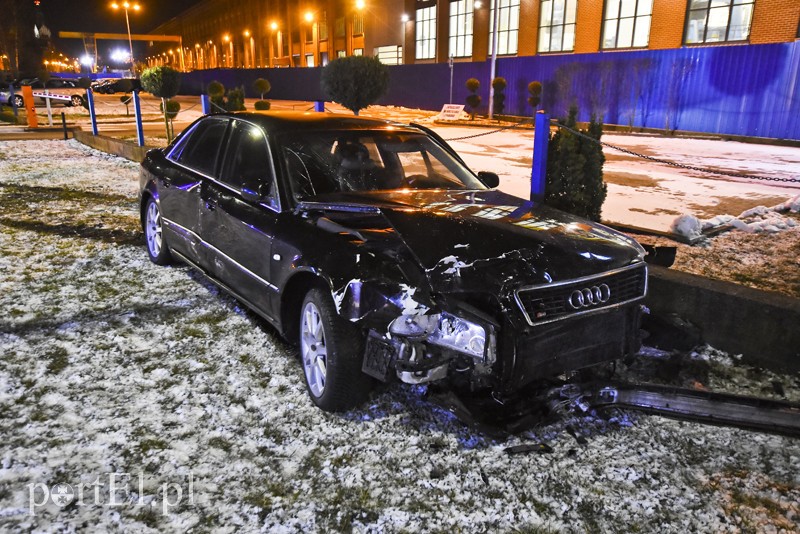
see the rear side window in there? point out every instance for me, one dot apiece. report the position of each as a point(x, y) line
point(202, 147)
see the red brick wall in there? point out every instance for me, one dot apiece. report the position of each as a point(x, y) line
point(775, 21)
point(588, 26)
point(666, 26)
point(528, 27)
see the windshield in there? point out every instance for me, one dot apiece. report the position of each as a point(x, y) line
point(339, 161)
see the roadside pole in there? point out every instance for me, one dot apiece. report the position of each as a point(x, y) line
point(205, 103)
point(541, 138)
point(49, 108)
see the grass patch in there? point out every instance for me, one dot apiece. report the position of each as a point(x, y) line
point(59, 359)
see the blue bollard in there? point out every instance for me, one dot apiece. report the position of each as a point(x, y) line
point(92, 114)
point(319, 106)
point(541, 139)
point(205, 103)
point(137, 112)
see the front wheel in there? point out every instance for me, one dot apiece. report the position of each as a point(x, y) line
point(331, 350)
point(76, 100)
point(18, 101)
point(154, 234)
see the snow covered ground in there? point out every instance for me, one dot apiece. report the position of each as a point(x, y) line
point(111, 365)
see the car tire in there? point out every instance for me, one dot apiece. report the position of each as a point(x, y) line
point(76, 101)
point(19, 101)
point(331, 350)
point(153, 226)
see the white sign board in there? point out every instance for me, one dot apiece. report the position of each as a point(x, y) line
point(42, 94)
point(451, 112)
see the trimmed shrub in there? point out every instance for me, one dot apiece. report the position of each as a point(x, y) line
point(235, 100)
point(355, 82)
point(262, 105)
point(575, 170)
point(216, 94)
point(535, 92)
point(473, 100)
point(173, 107)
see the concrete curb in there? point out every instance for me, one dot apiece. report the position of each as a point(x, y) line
point(112, 145)
point(762, 326)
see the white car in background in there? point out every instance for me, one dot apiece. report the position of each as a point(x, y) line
point(65, 92)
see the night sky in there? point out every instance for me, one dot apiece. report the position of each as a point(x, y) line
point(97, 16)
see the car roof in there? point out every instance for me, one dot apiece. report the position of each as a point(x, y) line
point(292, 121)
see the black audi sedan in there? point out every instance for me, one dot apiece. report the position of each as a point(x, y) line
point(375, 248)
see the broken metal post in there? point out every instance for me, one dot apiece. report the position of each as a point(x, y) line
point(205, 103)
point(541, 138)
point(92, 114)
point(137, 112)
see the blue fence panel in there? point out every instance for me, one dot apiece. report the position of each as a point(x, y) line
point(748, 90)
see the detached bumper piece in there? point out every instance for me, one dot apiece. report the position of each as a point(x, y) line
point(750, 413)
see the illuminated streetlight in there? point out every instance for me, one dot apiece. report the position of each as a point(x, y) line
point(360, 4)
point(309, 16)
point(273, 26)
point(404, 18)
point(127, 6)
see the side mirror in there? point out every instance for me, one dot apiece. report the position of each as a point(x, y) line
point(254, 188)
point(489, 179)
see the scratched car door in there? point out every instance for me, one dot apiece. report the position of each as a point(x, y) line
point(239, 217)
point(193, 159)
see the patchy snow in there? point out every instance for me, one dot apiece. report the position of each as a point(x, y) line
point(112, 365)
point(757, 219)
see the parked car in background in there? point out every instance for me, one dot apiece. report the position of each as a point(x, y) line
point(377, 250)
point(119, 85)
point(66, 91)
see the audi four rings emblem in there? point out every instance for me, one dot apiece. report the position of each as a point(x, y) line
point(589, 296)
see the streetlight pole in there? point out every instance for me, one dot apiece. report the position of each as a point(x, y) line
point(493, 68)
point(126, 6)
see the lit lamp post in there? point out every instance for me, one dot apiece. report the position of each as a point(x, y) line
point(126, 6)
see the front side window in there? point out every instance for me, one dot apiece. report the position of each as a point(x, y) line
point(461, 17)
point(715, 21)
point(247, 162)
point(508, 36)
point(626, 23)
point(557, 26)
point(425, 38)
point(324, 163)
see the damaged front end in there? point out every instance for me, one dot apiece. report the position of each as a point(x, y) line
point(427, 347)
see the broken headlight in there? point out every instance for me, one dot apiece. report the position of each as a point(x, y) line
point(444, 329)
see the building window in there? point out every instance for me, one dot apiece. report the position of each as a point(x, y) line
point(323, 27)
point(389, 55)
point(461, 16)
point(508, 36)
point(557, 26)
point(627, 23)
point(714, 21)
point(309, 60)
point(425, 37)
point(341, 53)
point(358, 24)
point(338, 27)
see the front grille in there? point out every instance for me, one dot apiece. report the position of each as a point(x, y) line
point(552, 302)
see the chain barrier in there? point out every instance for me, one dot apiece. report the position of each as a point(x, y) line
point(680, 165)
point(504, 128)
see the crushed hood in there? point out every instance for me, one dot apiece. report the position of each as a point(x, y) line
point(475, 240)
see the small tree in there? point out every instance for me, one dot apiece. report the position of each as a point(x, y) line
point(262, 87)
point(216, 93)
point(499, 98)
point(575, 170)
point(474, 99)
point(355, 82)
point(163, 82)
point(535, 98)
point(126, 86)
point(173, 107)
